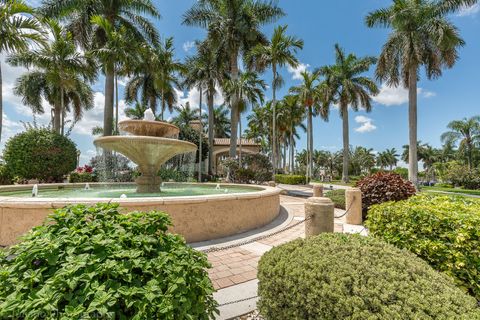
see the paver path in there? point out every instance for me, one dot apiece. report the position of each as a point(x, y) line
point(238, 265)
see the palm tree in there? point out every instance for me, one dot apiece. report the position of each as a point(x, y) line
point(222, 126)
point(234, 27)
point(466, 132)
point(260, 126)
point(137, 112)
point(421, 36)
point(18, 29)
point(59, 76)
point(120, 14)
point(292, 114)
point(278, 52)
point(206, 71)
point(154, 76)
point(347, 87)
point(387, 158)
point(185, 115)
point(311, 94)
point(247, 89)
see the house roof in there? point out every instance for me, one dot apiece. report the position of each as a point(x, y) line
point(226, 142)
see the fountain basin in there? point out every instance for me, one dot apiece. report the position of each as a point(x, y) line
point(197, 218)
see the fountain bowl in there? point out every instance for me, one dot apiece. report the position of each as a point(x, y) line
point(197, 218)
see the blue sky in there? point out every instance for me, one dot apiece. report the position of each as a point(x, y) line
point(320, 24)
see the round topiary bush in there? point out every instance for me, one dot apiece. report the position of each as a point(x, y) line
point(40, 154)
point(96, 263)
point(382, 187)
point(338, 276)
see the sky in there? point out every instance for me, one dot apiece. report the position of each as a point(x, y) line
point(320, 24)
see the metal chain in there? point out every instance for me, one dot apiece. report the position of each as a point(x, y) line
point(237, 301)
point(239, 244)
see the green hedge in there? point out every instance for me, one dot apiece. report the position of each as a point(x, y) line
point(442, 230)
point(290, 179)
point(338, 197)
point(96, 263)
point(76, 177)
point(338, 276)
point(6, 176)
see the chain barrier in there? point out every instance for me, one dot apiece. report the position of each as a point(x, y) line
point(239, 244)
point(347, 211)
point(237, 301)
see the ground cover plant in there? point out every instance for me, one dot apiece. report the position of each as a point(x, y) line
point(338, 276)
point(290, 179)
point(442, 230)
point(95, 262)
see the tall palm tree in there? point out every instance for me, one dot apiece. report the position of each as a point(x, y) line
point(421, 35)
point(185, 115)
point(136, 112)
point(247, 90)
point(292, 114)
point(154, 76)
point(311, 94)
point(206, 71)
point(466, 132)
point(234, 26)
point(18, 29)
point(59, 76)
point(347, 86)
point(128, 14)
point(278, 52)
point(222, 126)
point(260, 126)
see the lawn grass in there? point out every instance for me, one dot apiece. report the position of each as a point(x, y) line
point(337, 182)
point(452, 190)
point(338, 198)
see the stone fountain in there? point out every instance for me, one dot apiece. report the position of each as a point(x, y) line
point(150, 144)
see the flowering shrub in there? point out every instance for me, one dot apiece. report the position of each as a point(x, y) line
point(85, 169)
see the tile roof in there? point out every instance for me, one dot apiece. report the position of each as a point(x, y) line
point(226, 142)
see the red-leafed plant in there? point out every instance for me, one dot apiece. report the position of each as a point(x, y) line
point(85, 169)
point(382, 187)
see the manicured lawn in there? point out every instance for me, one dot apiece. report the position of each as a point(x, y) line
point(452, 190)
point(337, 182)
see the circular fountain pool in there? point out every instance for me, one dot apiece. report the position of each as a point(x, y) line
point(199, 211)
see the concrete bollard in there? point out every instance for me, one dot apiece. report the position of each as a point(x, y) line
point(272, 184)
point(318, 190)
point(319, 213)
point(353, 201)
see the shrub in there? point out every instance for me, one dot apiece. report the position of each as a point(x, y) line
point(261, 167)
point(403, 172)
point(339, 276)
point(461, 176)
point(95, 262)
point(290, 179)
point(244, 175)
point(6, 177)
point(338, 198)
point(442, 230)
point(382, 187)
point(76, 177)
point(168, 174)
point(40, 154)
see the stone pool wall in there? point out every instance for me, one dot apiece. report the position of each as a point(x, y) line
point(197, 218)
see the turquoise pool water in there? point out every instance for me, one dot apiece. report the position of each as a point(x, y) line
point(116, 191)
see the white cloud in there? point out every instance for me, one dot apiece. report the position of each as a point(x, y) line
point(366, 124)
point(187, 46)
point(193, 97)
point(469, 11)
point(297, 72)
point(396, 96)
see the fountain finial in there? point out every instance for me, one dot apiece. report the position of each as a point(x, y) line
point(148, 115)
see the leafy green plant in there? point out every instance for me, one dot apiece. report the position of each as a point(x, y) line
point(6, 177)
point(94, 262)
point(168, 174)
point(382, 187)
point(339, 276)
point(442, 230)
point(261, 167)
point(338, 197)
point(290, 179)
point(76, 177)
point(40, 154)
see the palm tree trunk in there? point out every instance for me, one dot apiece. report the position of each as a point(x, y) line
point(285, 154)
point(62, 101)
point(239, 139)
point(200, 138)
point(57, 114)
point(210, 132)
point(292, 142)
point(274, 120)
point(346, 144)
point(1, 102)
point(108, 108)
point(234, 106)
point(163, 105)
point(412, 124)
point(116, 103)
point(310, 143)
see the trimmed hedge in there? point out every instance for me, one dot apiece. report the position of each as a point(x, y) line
point(97, 263)
point(40, 154)
point(6, 176)
point(339, 276)
point(442, 230)
point(338, 198)
point(290, 179)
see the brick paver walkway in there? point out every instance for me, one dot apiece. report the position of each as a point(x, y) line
point(237, 265)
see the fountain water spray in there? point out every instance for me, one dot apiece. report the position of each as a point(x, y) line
point(35, 190)
point(217, 187)
point(123, 196)
point(87, 186)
